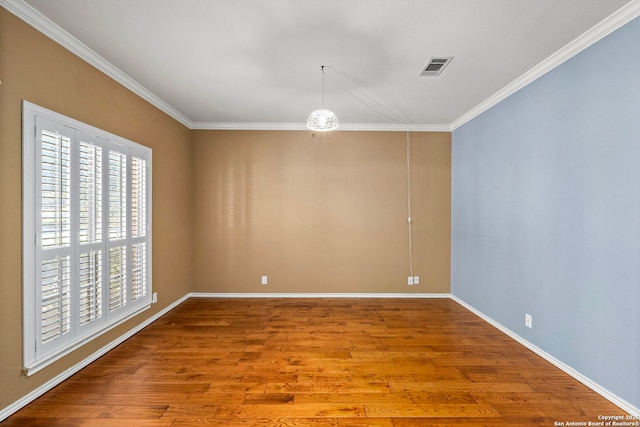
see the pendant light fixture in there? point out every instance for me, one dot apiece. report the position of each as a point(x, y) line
point(322, 119)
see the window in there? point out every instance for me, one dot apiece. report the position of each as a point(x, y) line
point(86, 233)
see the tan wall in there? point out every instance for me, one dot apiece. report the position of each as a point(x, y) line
point(319, 214)
point(34, 68)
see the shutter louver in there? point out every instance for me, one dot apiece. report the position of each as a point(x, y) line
point(138, 271)
point(56, 190)
point(90, 193)
point(138, 197)
point(117, 195)
point(56, 298)
point(117, 277)
point(138, 228)
point(90, 287)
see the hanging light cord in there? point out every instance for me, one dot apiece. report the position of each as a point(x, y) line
point(357, 98)
point(380, 111)
point(323, 73)
point(410, 219)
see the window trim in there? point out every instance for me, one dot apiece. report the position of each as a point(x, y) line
point(32, 250)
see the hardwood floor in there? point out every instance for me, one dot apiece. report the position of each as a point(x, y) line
point(317, 362)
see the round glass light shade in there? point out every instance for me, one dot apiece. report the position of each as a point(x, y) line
point(322, 120)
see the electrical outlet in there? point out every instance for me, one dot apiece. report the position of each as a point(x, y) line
point(410, 280)
point(528, 321)
point(154, 298)
point(416, 280)
point(264, 280)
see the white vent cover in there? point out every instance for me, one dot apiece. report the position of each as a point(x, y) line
point(435, 66)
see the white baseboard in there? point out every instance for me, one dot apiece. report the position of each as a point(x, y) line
point(25, 400)
point(616, 400)
point(17, 405)
point(315, 295)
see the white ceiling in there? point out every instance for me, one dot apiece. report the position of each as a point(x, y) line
point(256, 63)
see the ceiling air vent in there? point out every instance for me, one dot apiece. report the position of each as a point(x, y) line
point(435, 66)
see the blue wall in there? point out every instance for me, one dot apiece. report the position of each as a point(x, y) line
point(546, 212)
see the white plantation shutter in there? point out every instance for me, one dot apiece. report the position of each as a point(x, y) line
point(138, 197)
point(86, 233)
point(56, 298)
point(90, 261)
point(138, 271)
point(55, 171)
point(139, 282)
point(91, 279)
point(117, 195)
point(117, 277)
point(91, 192)
point(118, 266)
point(53, 278)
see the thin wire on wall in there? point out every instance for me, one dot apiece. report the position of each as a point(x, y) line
point(410, 219)
point(379, 108)
point(380, 111)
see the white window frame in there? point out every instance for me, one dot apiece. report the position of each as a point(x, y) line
point(36, 353)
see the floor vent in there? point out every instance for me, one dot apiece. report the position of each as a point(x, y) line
point(435, 66)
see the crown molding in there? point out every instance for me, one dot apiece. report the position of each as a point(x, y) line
point(605, 27)
point(400, 127)
point(43, 24)
point(247, 126)
point(47, 27)
point(374, 127)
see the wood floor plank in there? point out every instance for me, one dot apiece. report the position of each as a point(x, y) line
point(443, 398)
point(268, 398)
point(377, 410)
point(472, 422)
point(460, 386)
point(365, 422)
point(190, 411)
point(246, 422)
point(62, 398)
point(327, 410)
point(324, 387)
point(317, 362)
point(93, 411)
point(321, 398)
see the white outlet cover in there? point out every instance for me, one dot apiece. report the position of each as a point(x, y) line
point(410, 280)
point(528, 321)
point(264, 280)
point(416, 280)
